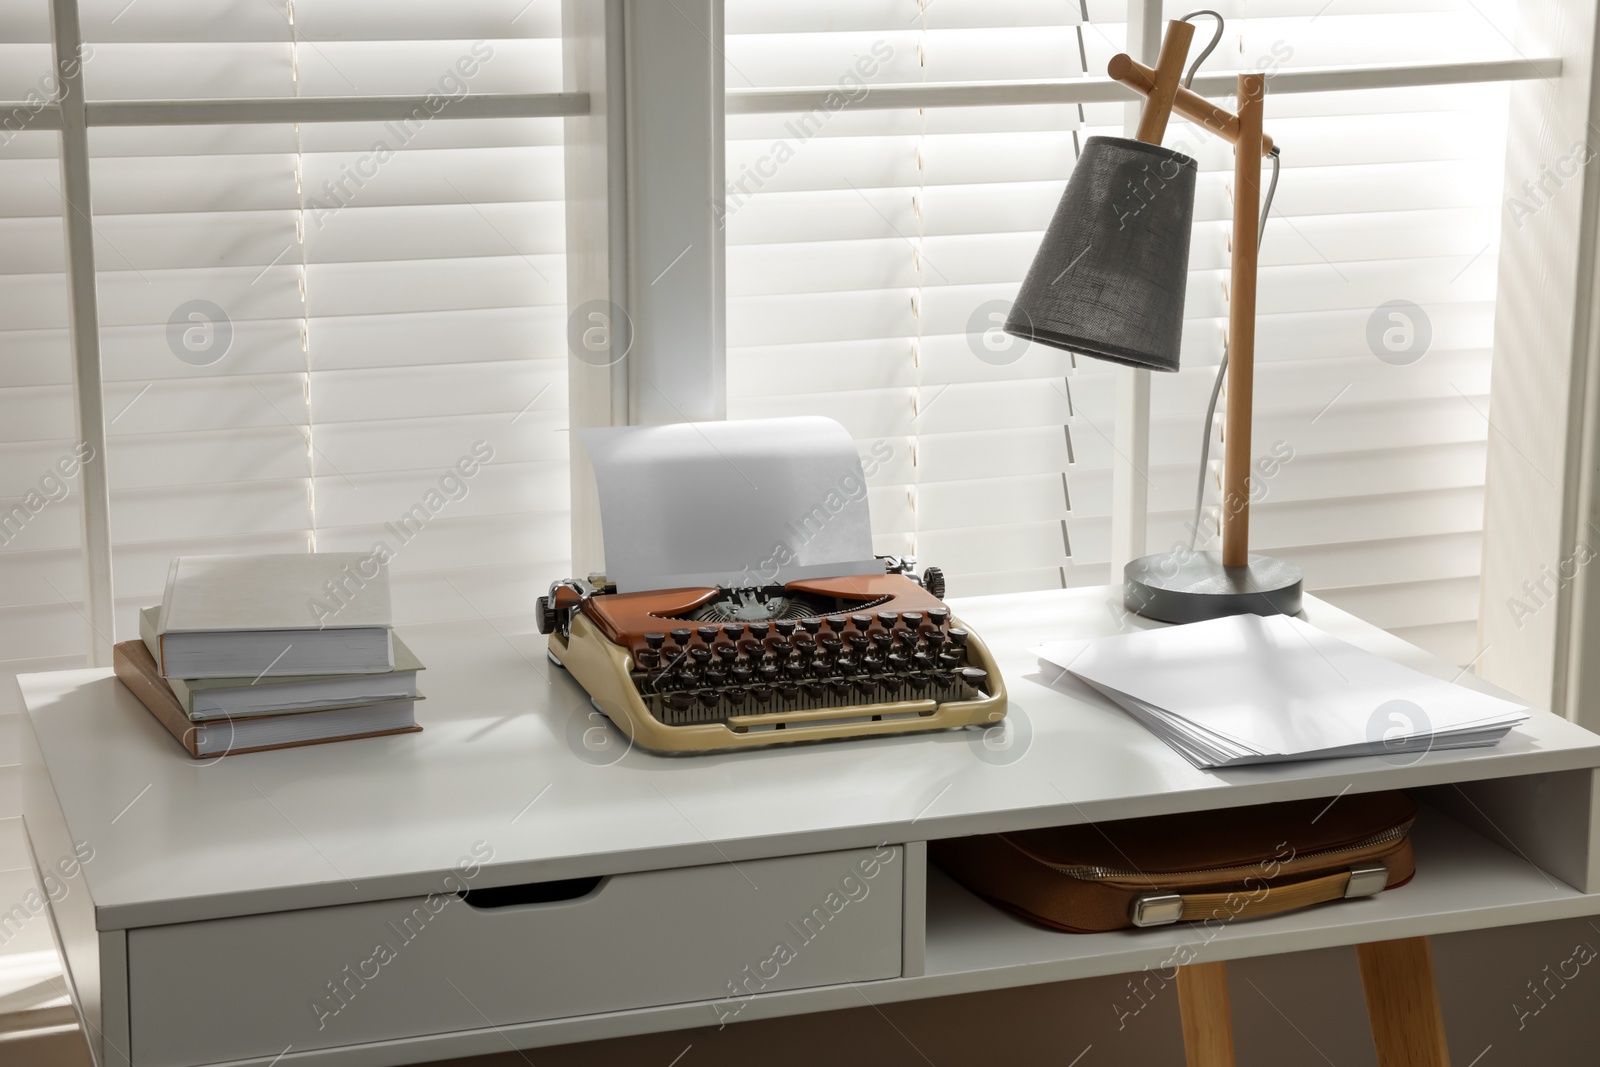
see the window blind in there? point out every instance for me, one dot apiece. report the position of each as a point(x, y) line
point(40, 535)
point(310, 331)
point(854, 268)
point(40, 538)
point(862, 265)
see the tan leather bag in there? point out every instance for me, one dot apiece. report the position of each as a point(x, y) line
point(1217, 866)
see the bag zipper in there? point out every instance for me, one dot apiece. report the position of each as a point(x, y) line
point(1091, 873)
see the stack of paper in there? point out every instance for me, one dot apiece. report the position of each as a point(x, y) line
point(1249, 689)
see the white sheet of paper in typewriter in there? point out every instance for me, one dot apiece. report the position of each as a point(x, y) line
point(743, 503)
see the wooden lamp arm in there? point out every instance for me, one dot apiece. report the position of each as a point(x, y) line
point(1192, 106)
point(1164, 82)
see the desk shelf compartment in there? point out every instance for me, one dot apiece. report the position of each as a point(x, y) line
point(1464, 881)
point(231, 989)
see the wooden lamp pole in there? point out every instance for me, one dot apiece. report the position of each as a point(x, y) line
point(1164, 95)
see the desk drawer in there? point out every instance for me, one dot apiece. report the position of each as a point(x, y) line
point(232, 988)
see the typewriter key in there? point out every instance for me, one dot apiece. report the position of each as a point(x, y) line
point(820, 668)
point(938, 616)
point(858, 642)
point(753, 649)
point(839, 687)
point(649, 658)
point(762, 694)
point(707, 634)
point(682, 636)
point(837, 623)
point(679, 701)
point(758, 630)
point(768, 672)
point(912, 619)
point(950, 659)
point(655, 640)
point(862, 622)
point(811, 626)
point(727, 653)
point(908, 638)
point(935, 639)
point(883, 639)
point(700, 654)
point(813, 690)
point(742, 675)
point(736, 697)
point(708, 698)
point(733, 631)
point(785, 627)
point(888, 618)
point(958, 636)
point(717, 677)
point(976, 677)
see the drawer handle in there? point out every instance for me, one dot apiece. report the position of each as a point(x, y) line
point(509, 896)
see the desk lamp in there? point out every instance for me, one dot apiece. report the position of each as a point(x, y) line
point(1108, 281)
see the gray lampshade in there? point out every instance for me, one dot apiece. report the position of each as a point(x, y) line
point(1108, 279)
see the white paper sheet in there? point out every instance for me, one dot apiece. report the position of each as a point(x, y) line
point(1276, 687)
point(745, 503)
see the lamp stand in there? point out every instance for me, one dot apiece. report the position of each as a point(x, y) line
point(1183, 585)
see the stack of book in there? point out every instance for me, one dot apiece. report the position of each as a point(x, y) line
point(247, 653)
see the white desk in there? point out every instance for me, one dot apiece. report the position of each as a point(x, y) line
point(225, 898)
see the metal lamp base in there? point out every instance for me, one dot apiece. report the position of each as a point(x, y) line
point(1192, 587)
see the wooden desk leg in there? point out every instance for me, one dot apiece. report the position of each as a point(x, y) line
point(1207, 1023)
point(1403, 1003)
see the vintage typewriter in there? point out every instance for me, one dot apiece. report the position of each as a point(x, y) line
point(701, 670)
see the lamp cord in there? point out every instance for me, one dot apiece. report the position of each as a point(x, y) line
point(1222, 370)
point(1216, 39)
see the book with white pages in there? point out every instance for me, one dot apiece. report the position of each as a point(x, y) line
point(264, 615)
point(1252, 689)
point(223, 698)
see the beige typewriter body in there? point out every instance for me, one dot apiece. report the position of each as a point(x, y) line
point(703, 670)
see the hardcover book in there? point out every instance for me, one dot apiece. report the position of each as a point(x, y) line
point(137, 669)
point(273, 615)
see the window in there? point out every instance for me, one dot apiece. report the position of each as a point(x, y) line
point(871, 241)
point(313, 301)
point(305, 323)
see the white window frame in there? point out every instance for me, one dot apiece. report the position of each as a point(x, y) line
point(1542, 507)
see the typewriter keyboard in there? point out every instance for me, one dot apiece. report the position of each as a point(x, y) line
point(710, 673)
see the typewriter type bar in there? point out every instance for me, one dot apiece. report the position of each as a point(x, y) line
point(699, 670)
